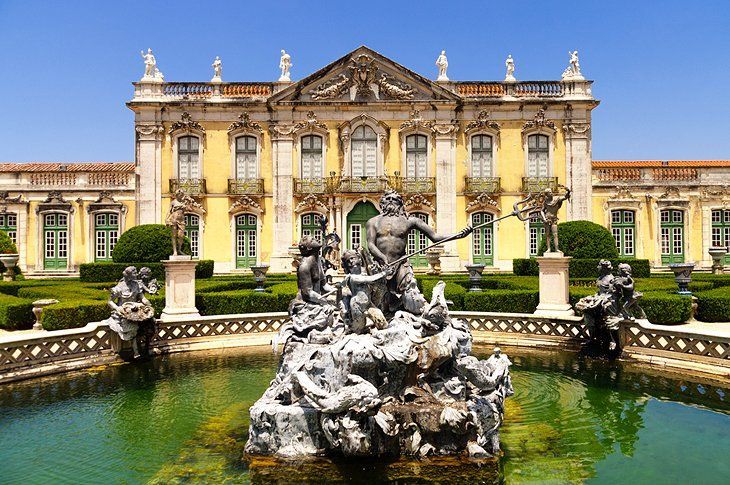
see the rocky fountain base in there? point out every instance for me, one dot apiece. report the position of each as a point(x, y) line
point(365, 386)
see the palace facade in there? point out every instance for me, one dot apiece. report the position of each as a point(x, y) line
point(266, 161)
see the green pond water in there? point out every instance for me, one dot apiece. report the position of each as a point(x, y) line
point(184, 419)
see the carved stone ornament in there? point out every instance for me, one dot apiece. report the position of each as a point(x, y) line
point(149, 132)
point(443, 129)
point(362, 72)
point(54, 201)
point(310, 124)
point(539, 122)
point(186, 123)
point(5, 199)
point(482, 123)
point(245, 203)
point(105, 201)
point(577, 128)
point(395, 89)
point(192, 204)
point(481, 202)
point(670, 192)
point(623, 192)
point(415, 122)
point(419, 202)
point(244, 123)
point(334, 88)
point(311, 203)
point(280, 131)
point(718, 191)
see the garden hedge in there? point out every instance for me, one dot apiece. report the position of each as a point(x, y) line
point(15, 313)
point(584, 240)
point(584, 268)
point(103, 272)
point(148, 243)
point(714, 305)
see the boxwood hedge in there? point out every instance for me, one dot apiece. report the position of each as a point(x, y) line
point(583, 268)
point(103, 272)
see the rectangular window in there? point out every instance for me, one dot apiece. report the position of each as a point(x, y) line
point(721, 230)
point(188, 157)
point(538, 156)
point(355, 236)
point(481, 156)
point(246, 154)
point(9, 225)
point(622, 229)
point(672, 236)
point(416, 151)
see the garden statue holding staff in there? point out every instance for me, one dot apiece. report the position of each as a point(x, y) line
point(545, 205)
point(175, 220)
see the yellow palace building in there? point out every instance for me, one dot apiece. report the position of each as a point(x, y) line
point(266, 160)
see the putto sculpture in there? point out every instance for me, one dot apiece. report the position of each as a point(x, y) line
point(443, 64)
point(369, 367)
point(285, 65)
point(615, 302)
point(132, 315)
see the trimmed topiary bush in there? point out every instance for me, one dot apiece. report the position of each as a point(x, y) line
point(104, 272)
point(714, 305)
point(584, 240)
point(148, 243)
point(15, 313)
point(584, 268)
point(502, 301)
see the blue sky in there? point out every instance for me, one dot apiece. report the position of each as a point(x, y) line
point(661, 69)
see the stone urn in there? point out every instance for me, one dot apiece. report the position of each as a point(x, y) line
point(10, 261)
point(683, 276)
point(259, 276)
point(717, 253)
point(38, 306)
point(434, 260)
point(475, 276)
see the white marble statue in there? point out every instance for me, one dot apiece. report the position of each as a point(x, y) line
point(151, 72)
point(443, 63)
point(217, 70)
point(572, 72)
point(510, 65)
point(285, 64)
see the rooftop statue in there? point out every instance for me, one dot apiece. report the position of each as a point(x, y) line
point(510, 65)
point(572, 72)
point(365, 378)
point(615, 302)
point(442, 63)
point(285, 64)
point(151, 72)
point(132, 315)
point(217, 70)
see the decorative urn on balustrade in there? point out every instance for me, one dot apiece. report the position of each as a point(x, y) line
point(683, 276)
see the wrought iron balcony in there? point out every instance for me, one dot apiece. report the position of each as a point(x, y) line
point(479, 185)
point(246, 186)
point(358, 185)
point(413, 185)
point(536, 184)
point(319, 185)
point(189, 186)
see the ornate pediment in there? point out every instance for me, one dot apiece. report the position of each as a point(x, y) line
point(245, 124)
point(364, 75)
point(5, 199)
point(54, 201)
point(539, 121)
point(105, 201)
point(244, 203)
point(310, 124)
point(482, 202)
point(186, 123)
point(419, 202)
point(482, 123)
point(311, 203)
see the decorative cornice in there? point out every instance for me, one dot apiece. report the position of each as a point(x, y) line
point(483, 201)
point(186, 123)
point(54, 201)
point(539, 122)
point(310, 124)
point(310, 203)
point(245, 203)
point(245, 123)
point(482, 123)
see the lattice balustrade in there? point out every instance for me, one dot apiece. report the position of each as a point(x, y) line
point(679, 342)
point(524, 324)
point(223, 326)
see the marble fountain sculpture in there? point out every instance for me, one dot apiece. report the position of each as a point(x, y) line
point(370, 367)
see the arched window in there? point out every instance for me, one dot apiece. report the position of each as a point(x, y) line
point(55, 241)
point(246, 155)
point(481, 156)
point(311, 156)
point(623, 228)
point(9, 225)
point(416, 241)
point(192, 232)
point(106, 234)
point(538, 156)
point(188, 157)
point(671, 227)
point(482, 239)
point(416, 156)
point(364, 150)
point(312, 226)
point(246, 240)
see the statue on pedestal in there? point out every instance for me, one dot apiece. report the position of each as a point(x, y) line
point(550, 204)
point(572, 72)
point(217, 70)
point(442, 63)
point(285, 64)
point(175, 219)
point(615, 302)
point(510, 65)
point(151, 72)
point(132, 315)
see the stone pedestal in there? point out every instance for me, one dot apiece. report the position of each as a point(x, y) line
point(179, 289)
point(554, 282)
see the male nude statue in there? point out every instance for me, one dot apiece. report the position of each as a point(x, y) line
point(387, 237)
point(549, 208)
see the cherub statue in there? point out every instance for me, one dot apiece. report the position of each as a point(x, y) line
point(285, 64)
point(131, 310)
point(627, 296)
point(175, 220)
point(358, 306)
point(442, 63)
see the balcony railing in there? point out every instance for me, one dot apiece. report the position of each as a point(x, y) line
point(412, 185)
point(245, 186)
point(315, 185)
point(536, 184)
point(358, 185)
point(478, 185)
point(646, 175)
point(189, 186)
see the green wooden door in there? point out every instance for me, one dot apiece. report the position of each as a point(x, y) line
point(192, 232)
point(482, 239)
point(55, 241)
point(623, 229)
point(418, 240)
point(720, 230)
point(312, 226)
point(246, 240)
point(356, 219)
point(672, 236)
point(106, 234)
point(537, 232)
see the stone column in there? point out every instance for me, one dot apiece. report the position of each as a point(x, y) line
point(179, 289)
point(283, 191)
point(445, 135)
point(149, 173)
point(554, 283)
point(578, 167)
